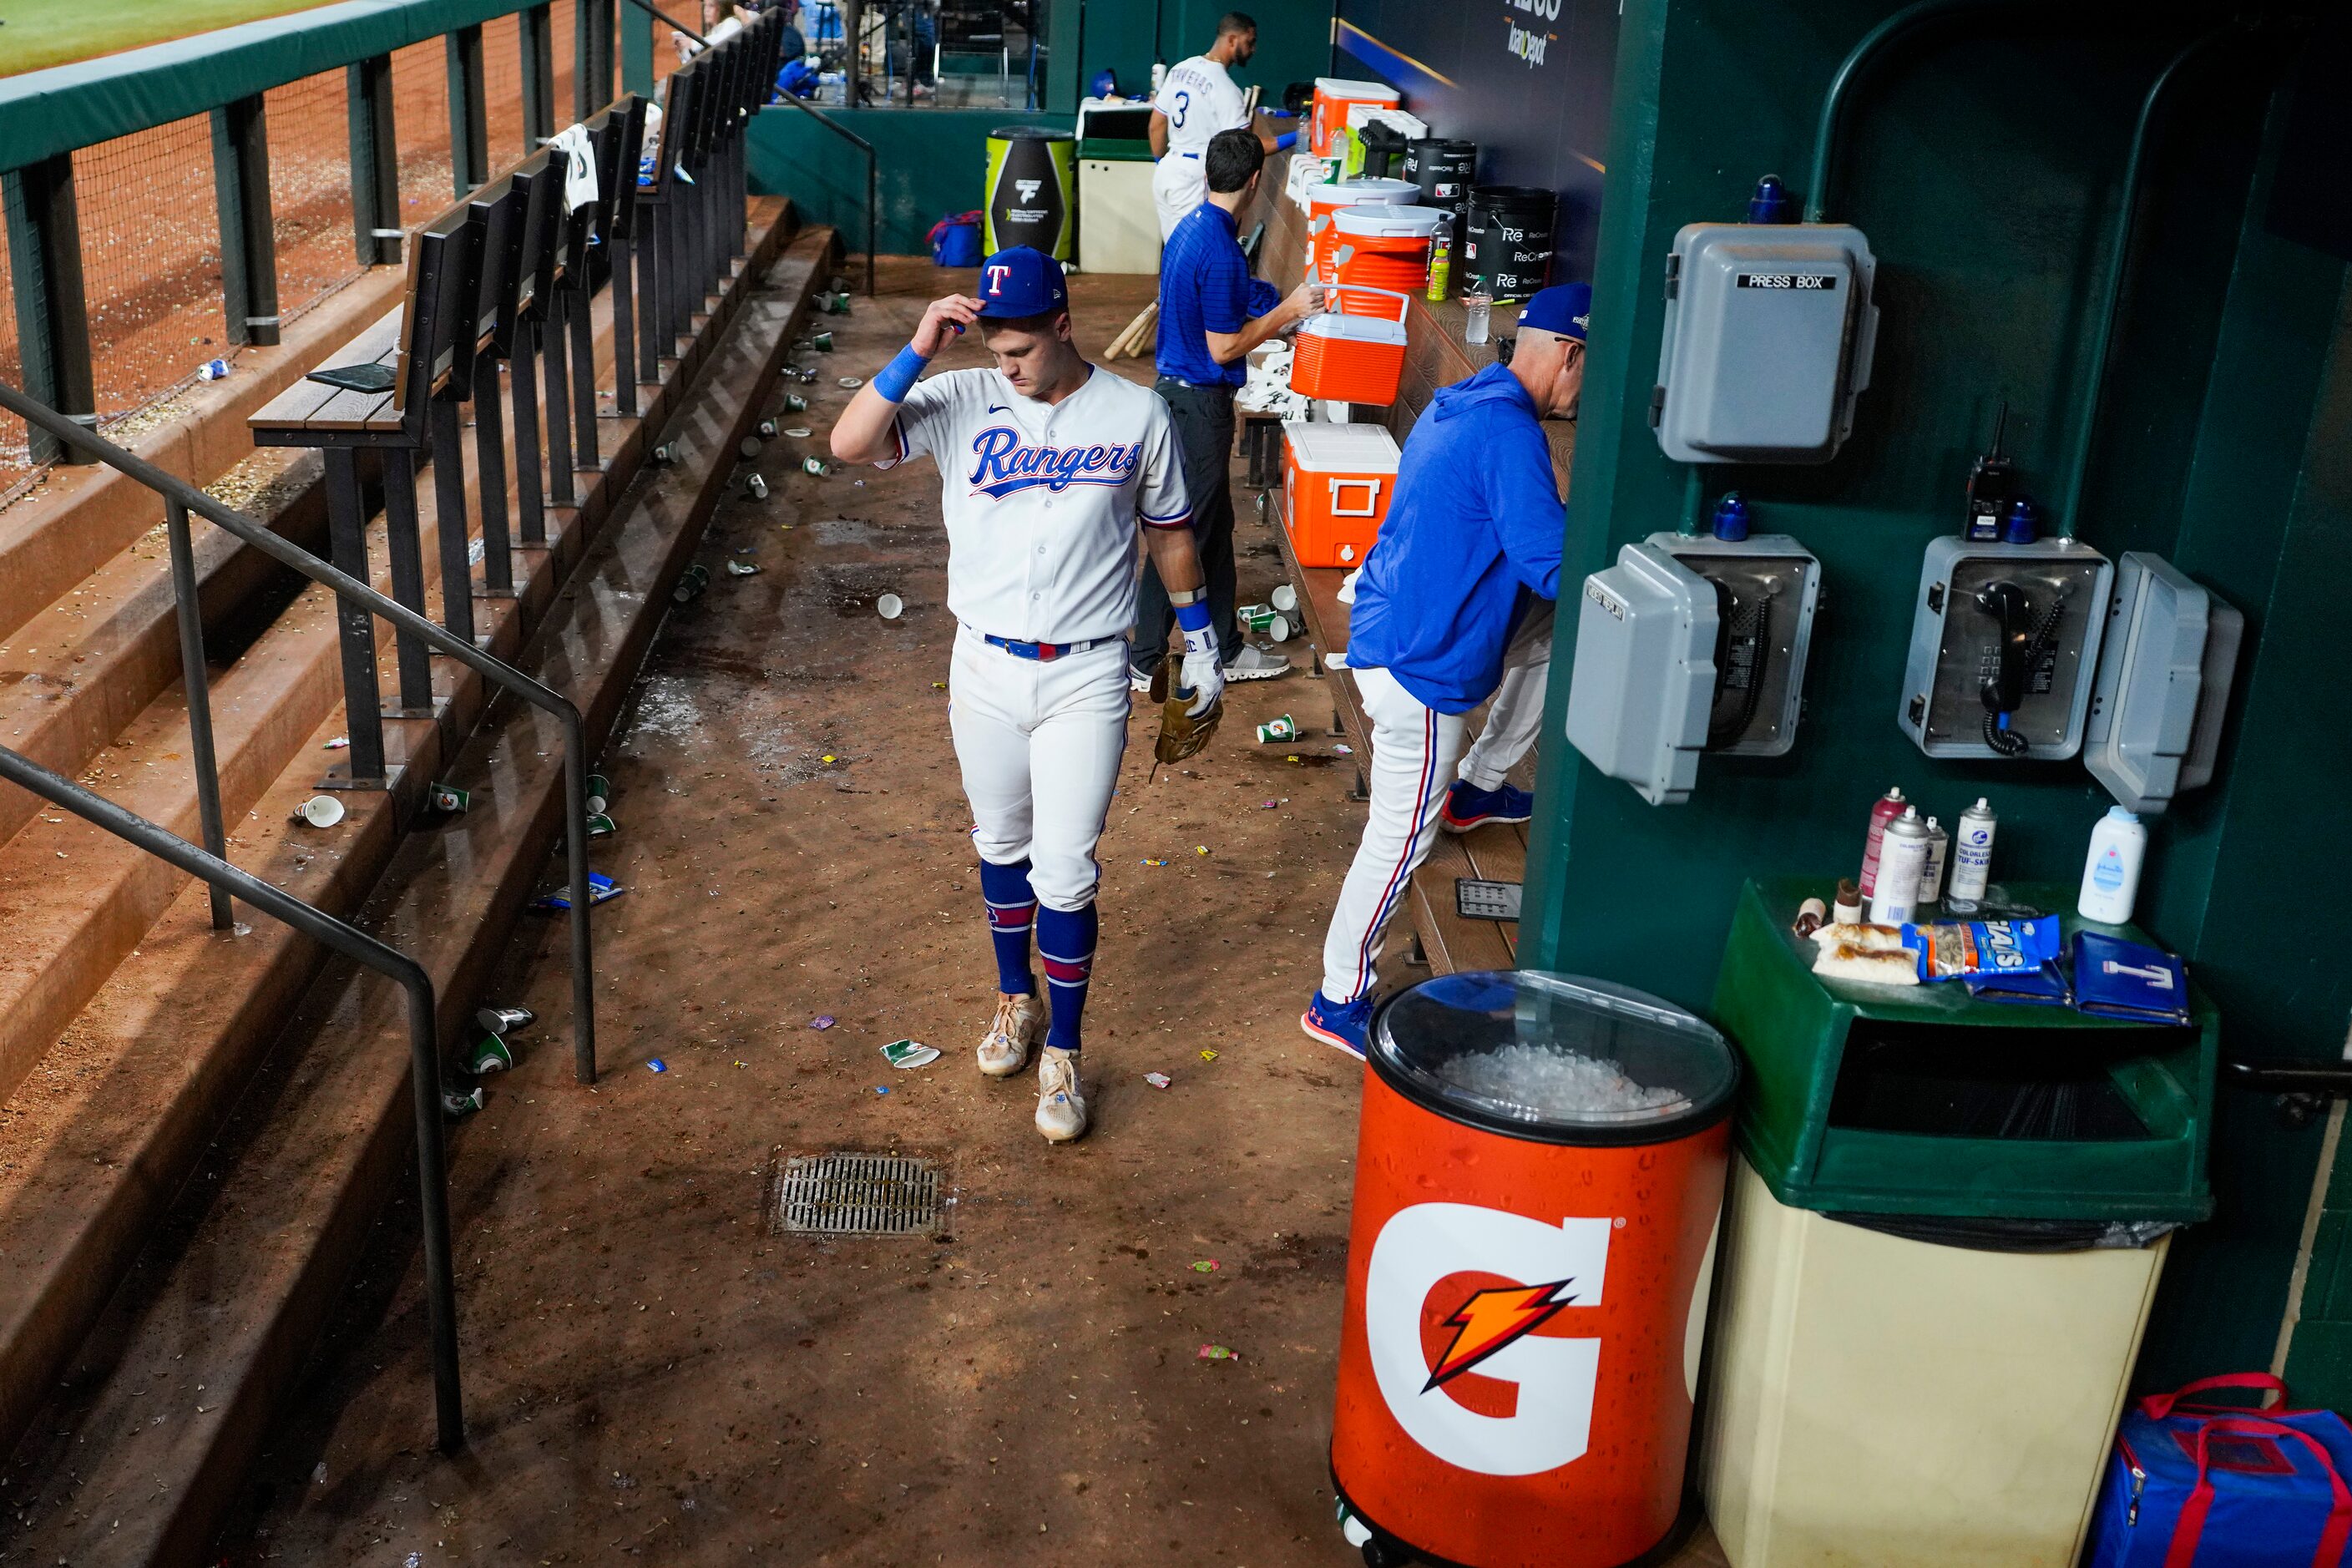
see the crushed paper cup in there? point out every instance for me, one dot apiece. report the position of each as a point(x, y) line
point(320, 811)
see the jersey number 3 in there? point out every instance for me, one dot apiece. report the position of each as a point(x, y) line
point(1183, 105)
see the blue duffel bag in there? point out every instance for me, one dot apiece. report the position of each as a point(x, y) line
point(2193, 1485)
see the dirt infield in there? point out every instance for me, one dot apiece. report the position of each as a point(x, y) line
point(151, 231)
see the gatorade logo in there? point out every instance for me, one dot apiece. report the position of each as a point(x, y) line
point(1467, 1315)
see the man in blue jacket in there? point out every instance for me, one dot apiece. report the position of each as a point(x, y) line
point(1453, 606)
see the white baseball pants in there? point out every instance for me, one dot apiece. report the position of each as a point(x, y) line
point(1180, 183)
point(1415, 748)
point(1039, 743)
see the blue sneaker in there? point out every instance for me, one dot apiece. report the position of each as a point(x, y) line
point(1346, 1025)
point(1466, 808)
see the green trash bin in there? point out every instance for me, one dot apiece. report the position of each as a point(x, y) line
point(1945, 1231)
point(1032, 191)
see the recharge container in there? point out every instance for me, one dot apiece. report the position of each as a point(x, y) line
point(1506, 243)
point(1538, 1175)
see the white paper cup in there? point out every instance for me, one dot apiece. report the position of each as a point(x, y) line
point(321, 811)
point(1285, 597)
point(889, 607)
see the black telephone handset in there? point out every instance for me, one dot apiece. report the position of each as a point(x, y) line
point(1740, 624)
point(2024, 642)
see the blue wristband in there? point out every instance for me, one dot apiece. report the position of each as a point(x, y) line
point(1286, 141)
point(898, 377)
point(1192, 617)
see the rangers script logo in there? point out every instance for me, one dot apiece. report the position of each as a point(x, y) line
point(1004, 464)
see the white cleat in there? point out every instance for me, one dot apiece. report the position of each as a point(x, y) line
point(1256, 663)
point(1061, 1108)
point(1004, 1049)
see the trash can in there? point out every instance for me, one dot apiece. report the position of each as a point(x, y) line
point(1945, 1225)
point(1030, 190)
point(1538, 1175)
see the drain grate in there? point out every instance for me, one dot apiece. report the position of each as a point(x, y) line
point(849, 1193)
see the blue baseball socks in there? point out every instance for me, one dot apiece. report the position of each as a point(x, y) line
point(1012, 911)
point(1066, 941)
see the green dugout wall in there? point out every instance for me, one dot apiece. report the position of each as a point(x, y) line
point(1984, 161)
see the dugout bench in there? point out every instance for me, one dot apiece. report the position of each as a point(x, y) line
point(507, 276)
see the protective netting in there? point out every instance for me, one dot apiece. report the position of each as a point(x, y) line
point(308, 123)
point(150, 265)
point(149, 220)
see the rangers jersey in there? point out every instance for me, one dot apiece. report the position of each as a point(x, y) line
point(1041, 501)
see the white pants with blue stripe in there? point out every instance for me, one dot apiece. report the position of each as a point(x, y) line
point(1415, 749)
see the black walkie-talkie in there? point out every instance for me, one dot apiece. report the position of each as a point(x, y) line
point(1992, 484)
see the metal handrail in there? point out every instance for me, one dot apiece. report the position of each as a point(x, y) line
point(178, 493)
point(873, 182)
point(424, 1051)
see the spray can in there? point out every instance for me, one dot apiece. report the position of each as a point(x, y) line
point(1887, 809)
point(1440, 266)
point(1931, 881)
point(1971, 857)
point(1902, 862)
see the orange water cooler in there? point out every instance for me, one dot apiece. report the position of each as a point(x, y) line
point(1336, 483)
point(1538, 1173)
point(1324, 205)
point(1345, 356)
point(1334, 96)
point(1385, 245)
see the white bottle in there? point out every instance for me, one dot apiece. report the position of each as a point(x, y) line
point(2111, 871)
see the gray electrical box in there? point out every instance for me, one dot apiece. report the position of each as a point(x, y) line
point(2004, 640)
point(1691, 644)
point(1769, 334)
point(2171, 650)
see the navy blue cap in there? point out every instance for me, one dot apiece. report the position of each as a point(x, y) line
point(1021, 282)
point(1563, 308)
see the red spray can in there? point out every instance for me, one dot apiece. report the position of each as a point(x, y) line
point(1889, 807)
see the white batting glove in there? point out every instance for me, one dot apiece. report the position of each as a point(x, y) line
point(1204, 676)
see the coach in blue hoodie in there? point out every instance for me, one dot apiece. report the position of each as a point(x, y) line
point(1453, 606)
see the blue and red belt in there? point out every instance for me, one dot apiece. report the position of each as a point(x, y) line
point(1042, 652)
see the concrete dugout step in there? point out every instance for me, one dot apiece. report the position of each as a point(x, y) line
point(238, 1282)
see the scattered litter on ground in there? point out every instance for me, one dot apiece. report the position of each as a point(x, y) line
point(456, 1104)
point(822, 1021)
point(742, 569)
point(690, 584)
point(601, 826)
point(340, 743)
point(599, 792)
point(1208, 1056)
point(1160, 861)
point(489, 1055)
point(500, 1020)
point(814, 466)
point(881, 1088)
point(1343, 750)
point(318, 1474)
point(1205, 1266)
point(601, 888)
point(1199, 849)
point(800, 432)
point(1157, 1079)
point(1267, 804)
point(829, 757)
point(1218, 1353)
point(850, 383)
point(320, 811)
point(449, 797)
point(909, 1054)
point(938, 686)
point(214, 370)
point(655, 1064)
point(889, 607)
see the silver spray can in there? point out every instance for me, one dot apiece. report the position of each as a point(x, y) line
point(1931, 881)
point(1902, 862)
point(1971, 857)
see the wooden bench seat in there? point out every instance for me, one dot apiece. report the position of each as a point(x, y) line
point(309, 407)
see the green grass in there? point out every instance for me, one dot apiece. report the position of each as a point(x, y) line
point(34, 34)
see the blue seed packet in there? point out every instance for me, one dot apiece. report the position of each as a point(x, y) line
point(2044, 985)
point(2119, 979)
point(1959, 950)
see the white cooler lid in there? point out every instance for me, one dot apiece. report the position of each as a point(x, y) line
point(1359, 448)
point(1381, 218)
point(1344, 193)
point(1341, 87)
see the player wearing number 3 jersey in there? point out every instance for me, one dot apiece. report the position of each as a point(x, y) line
point(1047, 465)
point(1196, 100)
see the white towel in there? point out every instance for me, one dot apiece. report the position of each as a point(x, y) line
point(579, 165)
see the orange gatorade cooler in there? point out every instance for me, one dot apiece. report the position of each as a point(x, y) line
point(1384, 246)
point(1325, 201)
point(1538, 1173)
point(1333, 98)
point(1337, 480)
point(1350, 357)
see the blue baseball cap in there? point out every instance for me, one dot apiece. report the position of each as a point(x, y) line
point(1564, 308)
point(1021, 282)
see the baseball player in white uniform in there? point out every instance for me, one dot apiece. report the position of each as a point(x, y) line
point(1047, 467)
point(1197, 98)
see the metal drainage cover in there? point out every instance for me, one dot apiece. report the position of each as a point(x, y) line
point(849, 1193)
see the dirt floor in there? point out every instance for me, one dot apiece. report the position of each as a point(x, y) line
point(650, 1369)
